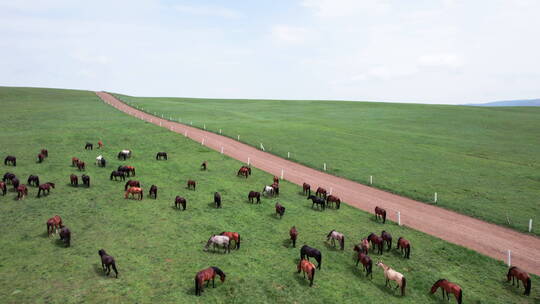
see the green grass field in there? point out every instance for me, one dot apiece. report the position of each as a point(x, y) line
point(483, 162)
point(159, 249)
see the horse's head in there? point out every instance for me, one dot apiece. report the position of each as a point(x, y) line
point(436, 285)
point(51, 184)
point(102, 252)
point(510, 271)
point(220, 273)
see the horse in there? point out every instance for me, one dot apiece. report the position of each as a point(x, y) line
point(85, 180)
point(180, 201)
point(380, 212)
point(132, 183)
point(100, 161)
point(3, 188)
point(65, 235)
point(293, 233)
point(217, 199)
point(387, 237)
point(45, 187)
point(254, 194)
point(89, 146)
point(44, 152)
point(15, 183)
point(133, 191)
point(317, 200)
point(405, 247)
point(334, 235)
point(74, 161)
point(244, 171)
point(8, 177)
point(206, 275)
point(120, 174)
point(219, 240)
point(320, 192)
point(306, 252)
point(280, 210)
point(448, 287)
point(366, 261)
point(233, 236)
point(153, 191)
point(275, 186)
point(100, 144)
point(73, 180)
point(191, 184)
point(363, 246)
point(41, 158)
point(268, 191)
point(333, 199)
point(276, 180)
point(127, 169)
point(376, 240)
point(53, 224)
point(33, 180)
point(107, 262)
point(161, 155)
point(10, 159)
point(307, 267)
point(81, 165)
point(517, 274)
point(124, 154)
point(204, 165)
point(306, 189)
point(391, 274)
point(22, 191)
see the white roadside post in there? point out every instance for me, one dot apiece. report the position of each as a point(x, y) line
point(204, 126)
point(191, 123)
point(185, 134)
point(249, 161)
point(219, 131)
point(371, 179)
point(509, 258)
point(530, 225)
point(160, 123)
point(324, 166)
point(288, 154)
point(221, 150)
point(435, 198)
point(281, 173)
point(331, 191)
point(238, 137)
point(202, 142)
point(399, 218)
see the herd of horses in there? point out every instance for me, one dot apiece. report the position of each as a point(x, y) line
point(321, 200)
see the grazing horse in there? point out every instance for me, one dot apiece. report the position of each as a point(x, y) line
point(363, 246)
point(306, 189)
point(376, 240)
point(153, 191)
point(280, 210)
point(33, 180)
point(53, 224)
point(334, 235)
point(233, 236)
point(306, 252)
point(100, 161)
point(134, 190)
point(405, 247)
point(217, 199)
point(65, 235)
point(380, 212)
point(333, 199)
point(276, 180)
point(100, 144)
point(191, 184)
point(254, 194)
point(206, 275)
point(317, 200)
point(320, 192)
point(89, 146)
point(293, 233)
point(124, 154)
point(81, 165)
point(15, 183)
point(391, 274)
point(8, 177)
point(120, 174)
point(45, 187)
point(307, 267)
point(3, 188)
point(85, 180)
point(74, 161)
point(204, 165)
point(107, 262)
point(387, 237)
point(10, 159)
point(275, 186)
point(74, 180)
point(219, 241)
point(22, 191)
point(161, 155)
point(132, 183)
point(244, 171)
point(41, 158)
point(180, 201)
point(366, 261)
point(268, 191)
point(128, 170)
point(448, 287)
point(517, 274)
point(44, 152)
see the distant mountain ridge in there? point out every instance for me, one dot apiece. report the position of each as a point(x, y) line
point(509, 103)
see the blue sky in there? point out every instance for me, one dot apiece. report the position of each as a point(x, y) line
point(437, 51)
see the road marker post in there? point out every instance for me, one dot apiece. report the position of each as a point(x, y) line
point(509, 257)
point(282, 173)
point(371, 179)
point(399, 218)
point(435, 198)
point(221, 150)
point(530, 225)
point(324, 166)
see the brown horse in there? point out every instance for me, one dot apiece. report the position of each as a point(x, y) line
point(320, 192)
point(8, 177)
point(307, 267)
point(306, 189)
point(448, 287)
point(275, 186)
point(191, 184)
point(293, 233)
point(280, 210)
point(233, 236)
point(128, 170)
point(41, 158)
point(134, 190)
point(3, 188)
point(206, 275)
point(74, 161)
point(53, 224)
point(217, 199)
point(22, 191)
point(44, 152)
point(244, 171)
point(387, 237)
point(74, 180)
point(153, 191)
point(81, 165)
point(333, 199)
point(376, 241)
point(380, 212)
point(65, 236)
point(276, 180)
point(100, 144)
point(45, 187)
point(132, 183)
point(11, 160)
point(119, 174)
point(85, 180)
point(363, 246)
point(517, 274)
point(405, 247)
point(204, 165)
point(180, 201)
point(33, 180)
point(15, 183)
point(161, 155)
point(107, 262)
point(365, 259)
point(254, 194)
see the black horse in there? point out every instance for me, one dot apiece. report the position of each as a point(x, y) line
point(153, 191)
point(8, 177)
point(10, 159)
point(15, 183)
point(107, 262)
point(33, 180)
point(65, 236)
point(89, 146)
point(86, 180)
point(317, 200)
point(180, 201)
point(161, 155)
point(387, 237)
point(102, 162)
point(116, 174)
point(306, 252)
point(217, 199)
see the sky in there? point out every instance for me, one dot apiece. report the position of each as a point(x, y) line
point(432, 51)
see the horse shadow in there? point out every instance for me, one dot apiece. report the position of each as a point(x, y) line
point(44, 235)
point(375, 220)
point(392, 290)
point(213, 205)
point(287, 243)
point(59, 243)
point(329, 246)
point(358, 271)
point(512, 288)
point(99, 270)
point(301, 280)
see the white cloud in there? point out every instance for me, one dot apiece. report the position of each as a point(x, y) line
point(451, 61)
point(341, 8)
point(207, 10)
point(290, 34)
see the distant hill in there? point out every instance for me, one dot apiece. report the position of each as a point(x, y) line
point(509, 103)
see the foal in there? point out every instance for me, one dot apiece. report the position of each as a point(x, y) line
point(53, 224)
point(107, 262)
point(74, 180)
point(280, 210)
point(85, 180)
point(45, 187)
point(306, 189)
point(65, 235)
point(3, 188)
point(366, 261)
point(33, 180)
point(217, 199)
point(22, 191)
point(380, 213)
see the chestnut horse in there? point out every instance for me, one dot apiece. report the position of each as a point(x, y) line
point(307, 267)
point(100, 144)
point(107, 262)
point(22, 191)
point(387, 237)
point(74, 161)
point(81, 165)
point(233, 236)
point(280, 210)
point(405, 247)
point(306, 189)
point(448, 287)
point(244, 171)
point(320, 192)
point(45, 187)
point(380, 212)
point(254, 194)
point(180, 201)
point(41, 158)
point(132, 183)
point(518, 274)
point(153, 191)
point(44, 152)
point(217, 199)
point(53, 224)
point(85, 180)
point(391, 274)
point(363, 246)
point(366, 261)
point(191, 184)
point(206, 275)
point(134, 190)
point(33, 180)
point(376, 240)
point(293, 233)
point(10, 159)
point(3, 188)
point(333, 199)
point(74, 180)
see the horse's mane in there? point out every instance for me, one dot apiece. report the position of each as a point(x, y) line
point(440, 280)
point(399, 239)
point(218, 271)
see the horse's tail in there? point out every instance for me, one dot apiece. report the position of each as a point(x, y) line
point(528, 287)
point(319, 260)
point(403, 284)
point(370, 268)
point(238, 244)
point(338, 203)
point(342, 243)
point(408, 252)
point(114, 268)
point(111, 175)
point(384, 217)
point(126, 196)
point(312, 276)
point(197, 287)
point(125, 187)
point(460, 296)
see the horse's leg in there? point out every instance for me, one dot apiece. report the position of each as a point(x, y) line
point(213, 282)
point(386, 284)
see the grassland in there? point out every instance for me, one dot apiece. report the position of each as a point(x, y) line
point(483, 162)
point(159, 249)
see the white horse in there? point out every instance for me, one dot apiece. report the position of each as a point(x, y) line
point(127, 152)
point(334, 235)
point(268, 190)
point(100, 161)
point(391, 274)
point(219, 241)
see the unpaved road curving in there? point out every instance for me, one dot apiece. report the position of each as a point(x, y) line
point(483, 237)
